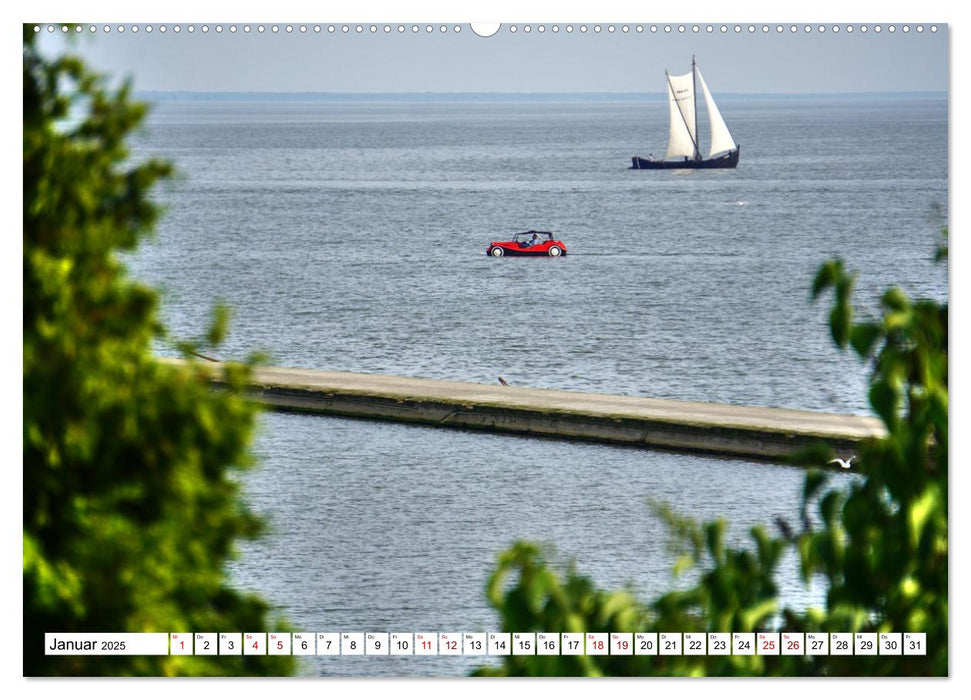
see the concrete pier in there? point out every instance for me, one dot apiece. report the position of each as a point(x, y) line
point(742, 431)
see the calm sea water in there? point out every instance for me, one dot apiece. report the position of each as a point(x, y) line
point(352, 236)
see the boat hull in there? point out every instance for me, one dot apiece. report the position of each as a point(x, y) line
point(729, 160)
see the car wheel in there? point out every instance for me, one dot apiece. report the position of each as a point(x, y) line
point(496, 252)
point(555, 251)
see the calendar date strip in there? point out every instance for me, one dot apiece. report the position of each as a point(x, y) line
point(487, 644)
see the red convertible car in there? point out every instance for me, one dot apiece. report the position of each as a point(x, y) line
point(528, 243)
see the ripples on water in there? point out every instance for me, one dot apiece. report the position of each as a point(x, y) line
point(353, 237)
point(389, 527)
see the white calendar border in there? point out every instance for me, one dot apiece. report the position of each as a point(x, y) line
point(509, 10)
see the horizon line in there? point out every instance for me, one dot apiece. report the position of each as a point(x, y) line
point(625, 94)
point(512, 92)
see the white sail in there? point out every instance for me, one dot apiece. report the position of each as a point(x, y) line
point(681, 136)
point(721, 139)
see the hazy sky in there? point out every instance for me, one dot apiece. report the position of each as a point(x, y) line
point(770, 62)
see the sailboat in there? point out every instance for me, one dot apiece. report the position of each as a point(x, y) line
point(683, 148)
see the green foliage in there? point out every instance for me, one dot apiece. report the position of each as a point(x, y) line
point(879, 546)
point(130, 505)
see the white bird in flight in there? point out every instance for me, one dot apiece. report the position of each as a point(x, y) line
point(845, 463)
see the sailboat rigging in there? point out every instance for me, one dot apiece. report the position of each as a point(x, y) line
point(683, 148)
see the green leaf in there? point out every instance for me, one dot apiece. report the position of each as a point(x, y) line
point(815, 480)
point(885, 401)
point(840, 321)
point(864, 336)
point(895, 300)
point(827, 276)
point(920, 512)
point(219, 325)
point(684, 562)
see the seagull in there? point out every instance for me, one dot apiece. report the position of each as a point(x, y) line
point(503, 381)
point(845, 463)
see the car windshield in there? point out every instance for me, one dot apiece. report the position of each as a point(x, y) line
point(528, 235)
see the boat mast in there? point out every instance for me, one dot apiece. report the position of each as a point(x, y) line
point(694, 91)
